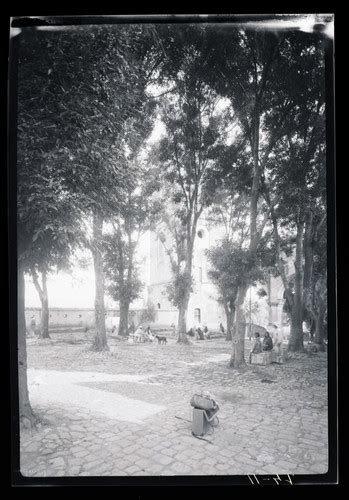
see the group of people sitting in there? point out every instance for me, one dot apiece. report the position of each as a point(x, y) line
point(199, 332)
point(267, 345)
point(141, 335)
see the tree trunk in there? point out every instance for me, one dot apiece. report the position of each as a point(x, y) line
point(183, 306)
point(320, 327)
point(42, 292)
point(230, 315)
point(44, 329)
point(100, 341)
point(256, 182)
point(308, 250)
point(237, 359)
point(182, 320)
point(26, 414)
point(123, 325)
point(312, 328)
point(296, 333)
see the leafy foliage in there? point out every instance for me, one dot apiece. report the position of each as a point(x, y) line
point(134, 218)
point(77, 89)
point(232, 266)
point(179, 286)
point(148, 315)
point(123, 281)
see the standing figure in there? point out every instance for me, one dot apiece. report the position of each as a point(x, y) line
point(277, 341)
point(256, 347)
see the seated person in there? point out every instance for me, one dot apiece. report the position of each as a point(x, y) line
point(190, 332)
point(148, 336)
point(200, 334)
point(206, 333)
point(139, 334)
point(267, 342)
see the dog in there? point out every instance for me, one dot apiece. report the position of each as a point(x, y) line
point(161, 340)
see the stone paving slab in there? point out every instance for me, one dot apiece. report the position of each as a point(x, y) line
point(131, 414)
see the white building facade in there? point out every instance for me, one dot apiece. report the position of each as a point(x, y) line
point(203, 304)
point(204, 307)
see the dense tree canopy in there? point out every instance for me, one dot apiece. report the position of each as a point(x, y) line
point(244, 117)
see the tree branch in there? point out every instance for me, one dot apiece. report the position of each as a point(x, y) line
point(180, 177)
point(162, 94)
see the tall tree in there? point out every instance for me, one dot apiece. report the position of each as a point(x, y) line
point(87, 85)
point(54, 237)
point(265, 76)
point(295, 173)
point(315, 274)
point(194, 129)
point(230, 258)
point(76, 89)
point(230, 212)
point(45, 233)
point(244, 59)
point(133, 219)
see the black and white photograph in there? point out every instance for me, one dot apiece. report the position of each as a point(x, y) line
point(173, 275)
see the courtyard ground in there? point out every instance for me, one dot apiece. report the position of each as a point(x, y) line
point(128, 413)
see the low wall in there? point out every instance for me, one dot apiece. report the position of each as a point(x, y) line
point(59, 317)
point(75, 316)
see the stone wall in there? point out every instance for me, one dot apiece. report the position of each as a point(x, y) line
point(59, 317)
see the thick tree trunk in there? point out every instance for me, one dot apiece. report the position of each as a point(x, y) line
point(237, 359)
point(26, 414)
point(296, 333)
point(230, 315)
point(123, 325)
point(100, 341)
point(182, 320)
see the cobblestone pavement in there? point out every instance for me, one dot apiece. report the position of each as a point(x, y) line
point(127, 412)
